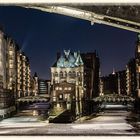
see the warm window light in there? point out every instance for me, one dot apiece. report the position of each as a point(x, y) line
point(65, 96)
point(11, 79)
point(138, 49)
point(54, 98)
point(60, 96)
point(139, 69)
point(10, 52)
point(11, 66)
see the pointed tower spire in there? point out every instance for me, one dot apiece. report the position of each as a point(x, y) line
point(100, 72)
point(79, 60)
point(67, 52)
point(113, 71)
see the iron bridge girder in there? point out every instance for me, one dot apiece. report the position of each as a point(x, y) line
point(123, 17)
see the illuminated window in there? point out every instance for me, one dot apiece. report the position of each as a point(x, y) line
point(56, 88)
point(69, 88)
point(11, 79)
point(60, 96)
point(138, 49)
point(11, 66)
point(65, 88)
point(54, 98)
point(65, 96)
point(60, 88)
point(10, 52)
point(58, 105)
point(139, 69)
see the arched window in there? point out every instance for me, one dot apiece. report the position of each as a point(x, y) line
point(56, 74)
point(73, 74)
point(78, 74)
point(70, 73)
point(65, 74)
point(61, 74)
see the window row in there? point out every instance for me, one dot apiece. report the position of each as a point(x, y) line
point(65, 74)
point(64, 88)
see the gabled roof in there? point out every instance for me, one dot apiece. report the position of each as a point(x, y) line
point(69, 60)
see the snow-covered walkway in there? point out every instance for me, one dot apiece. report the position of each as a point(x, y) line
point(109, 122)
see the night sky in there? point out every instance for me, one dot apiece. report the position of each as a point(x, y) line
point(41, 35)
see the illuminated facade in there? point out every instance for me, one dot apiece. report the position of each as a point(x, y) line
point(122, 88)
point(15, 74)
point(3, 58)
point(10, 65)
point(137, 57)
point(23, 86)
point(68, 83)
point(131, 82)
point(14, 67)
point(34, 85)
point(73, 79)
point(7, 75)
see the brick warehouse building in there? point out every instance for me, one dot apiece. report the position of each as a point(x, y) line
point(15, 74)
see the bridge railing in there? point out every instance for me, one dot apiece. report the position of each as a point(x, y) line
point(114, 98)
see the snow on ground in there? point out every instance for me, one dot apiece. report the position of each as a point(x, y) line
point(120, 126)
point(107, 122)
point(20, 122)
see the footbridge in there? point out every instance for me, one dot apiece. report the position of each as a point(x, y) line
point(114, 98)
